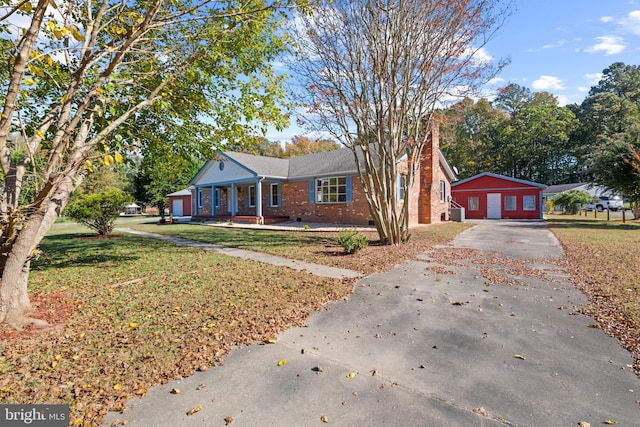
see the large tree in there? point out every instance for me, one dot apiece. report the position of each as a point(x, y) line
point(372, 72)
point(610, 127)
point(76, 71)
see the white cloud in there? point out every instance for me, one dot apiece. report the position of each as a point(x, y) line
point(583, 89)
point(610, 45)
point(631, 22)
point(496, 81)
point(562, 100)
point(593, 78)
point(606, 19)
point(548, 83)
point(559, 43)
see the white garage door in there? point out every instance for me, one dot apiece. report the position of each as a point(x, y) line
point(176, 207)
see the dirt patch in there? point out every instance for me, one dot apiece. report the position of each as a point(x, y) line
point(55, 309)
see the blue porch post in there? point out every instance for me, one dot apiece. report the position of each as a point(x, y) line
point(259, 200)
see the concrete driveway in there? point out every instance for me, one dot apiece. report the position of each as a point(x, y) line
point(485, 331)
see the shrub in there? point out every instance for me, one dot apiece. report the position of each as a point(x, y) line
point(99, 211)
point(572, 200)
point(352, 241)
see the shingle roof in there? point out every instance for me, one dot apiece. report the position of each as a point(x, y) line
point(494, 175)
point(559, 188)
point(325, 163)
point(261, 165)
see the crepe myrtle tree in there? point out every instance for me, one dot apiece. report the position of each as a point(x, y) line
point(372, 72)
point(76, 71)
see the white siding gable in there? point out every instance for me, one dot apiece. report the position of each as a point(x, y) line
point(230, 172)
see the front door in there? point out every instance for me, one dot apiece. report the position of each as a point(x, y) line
point(494, 207)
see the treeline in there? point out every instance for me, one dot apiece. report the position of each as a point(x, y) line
point(527, 135)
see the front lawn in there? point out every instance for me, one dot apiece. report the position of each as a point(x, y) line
point(605, 264)
point(128, 312)
point(317, 247)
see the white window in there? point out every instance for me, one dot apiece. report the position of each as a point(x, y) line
point(252, 195)
point(331, 190)
point(402, 181)
point(529, 203)
point(275, 195)
point(217, 198)
point(510, 203)
point(443, 191)
point(472, 203)
point(200, 198)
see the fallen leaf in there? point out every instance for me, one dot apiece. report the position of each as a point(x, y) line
point(195, 409)
point(228, 420)
point(282, 362)
point(117, 386)
point(175, 391)
point(271, 341)
point(584, 424)
point(610, 422)
point(324, 419)
point(519, 356)
point(201, 386)
point(351, 375)
point(480, 411)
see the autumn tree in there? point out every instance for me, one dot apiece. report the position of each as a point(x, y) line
point(75, 72)
point(301, 145)
point(371, 73)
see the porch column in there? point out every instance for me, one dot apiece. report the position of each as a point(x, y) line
point(213, 200)
point(232, 208)
point(259, 200)
point(195, 206)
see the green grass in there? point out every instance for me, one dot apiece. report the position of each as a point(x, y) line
point(129, 312)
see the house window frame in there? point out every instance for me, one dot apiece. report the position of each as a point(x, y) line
point(443, 190)
point(507, 203)
point(473, 203)
point(252, 196)
point(200, 198)
point(532, 203)
point(217, 197)
point(331, 190)
point(274, 194)
point(402, 179)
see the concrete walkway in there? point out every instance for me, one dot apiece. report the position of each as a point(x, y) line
point(464, 336)
point(317, 269)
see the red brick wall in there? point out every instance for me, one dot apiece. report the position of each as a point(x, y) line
point(186, 204)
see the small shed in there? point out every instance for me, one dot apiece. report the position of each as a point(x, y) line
point(492, 196)
point(180, 203)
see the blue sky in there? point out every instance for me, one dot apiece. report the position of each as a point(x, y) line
point(558, 46)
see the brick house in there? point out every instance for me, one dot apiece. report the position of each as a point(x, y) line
point(315, 188)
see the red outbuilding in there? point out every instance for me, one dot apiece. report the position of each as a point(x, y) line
point(180, 203)
point(492, 196)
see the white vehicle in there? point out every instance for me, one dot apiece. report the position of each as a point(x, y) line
point(602, 203)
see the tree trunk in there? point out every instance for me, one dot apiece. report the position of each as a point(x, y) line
point(15, 306)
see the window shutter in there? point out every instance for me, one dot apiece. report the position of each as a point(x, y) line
point(268, 195)
point(349, 192)
point(279, 195)
point(312, 188)
point(246, 196)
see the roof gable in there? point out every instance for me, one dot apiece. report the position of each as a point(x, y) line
point(487, 179)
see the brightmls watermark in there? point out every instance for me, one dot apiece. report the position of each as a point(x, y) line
point(34, 415)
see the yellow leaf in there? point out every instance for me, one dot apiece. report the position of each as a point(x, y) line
point(51, 25)
point(48, 59)
point(271, 341)
point(29, 81)
point(351, 375)
point(282, 362)
point(195, 409)
point(324, 419)
point(519, 356)
point(57, 33)
point(76, 34)
point(584, 424)
point(117, 386)
point(108, 159)
point(59, 356)
point(118, 157)
point(26, 7)
point(53, 4)
point(175, 391)
point(133, 325)
point(39, 133)
point(610, 422)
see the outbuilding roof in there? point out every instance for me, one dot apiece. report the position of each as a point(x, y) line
point(493, 175)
